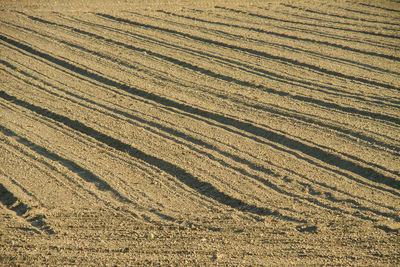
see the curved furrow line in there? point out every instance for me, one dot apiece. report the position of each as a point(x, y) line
point(244, 67)
point(336, 16)
point(175, 132)
point(314, 201)
point(38, 157)
point(248, 50)
point(241, 160)
point(132, 119)
point(8, 199)
point(248, 133)
point(36, 164)
point(80, 171)
point(227, 62)
point(201, 187)
point(66, 72)
point(19, 185)
point(312, 24)
point(346, 155)
point(269, 183)
point(240, 37)
point(141, 210)
point(283, 34)
point(316, 32)
point(374, 31)
point(307, 13)
point(255, 177)
point(368, 14)
point(85, 174)
point(340, 46)
point(383, 8)
point(286, 47)
point(270, 74)
point(178, 134)
point(207, 72)
point(330, 159)
point(352, 63)
point(132, 189)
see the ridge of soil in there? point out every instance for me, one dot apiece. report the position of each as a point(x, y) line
point(243, 133)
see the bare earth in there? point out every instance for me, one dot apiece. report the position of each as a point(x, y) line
point(199, 133)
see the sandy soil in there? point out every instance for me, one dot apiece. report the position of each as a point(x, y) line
point(199, 133)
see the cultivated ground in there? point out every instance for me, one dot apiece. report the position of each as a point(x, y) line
point(199, 132)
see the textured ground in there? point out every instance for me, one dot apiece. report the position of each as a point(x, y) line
point(187, 133)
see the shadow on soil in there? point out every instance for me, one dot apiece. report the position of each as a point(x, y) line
point(150, 125)
point(277, 138)
point(85, 174)
point(21, 209)
point(203, 188)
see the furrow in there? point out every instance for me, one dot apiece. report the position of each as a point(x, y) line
point(201, 187)
point(8, 199)
point(198, 142)
point(327, 157)
point(270, 110)
point(256, 52)
point(280, 44)
point(346, 17)
point(245, 83)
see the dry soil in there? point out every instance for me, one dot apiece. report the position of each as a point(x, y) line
point(239, 133)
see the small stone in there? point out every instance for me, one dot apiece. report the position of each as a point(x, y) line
point(11, 242)
point(150, 235)
point(217, 256)
point(307, 228)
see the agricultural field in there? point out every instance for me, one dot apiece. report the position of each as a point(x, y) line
point(199, 133)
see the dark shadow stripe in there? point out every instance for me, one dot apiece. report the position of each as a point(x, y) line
point(383, 8)
point(85, 174)
point(178, 134)
point(365, 12)
point(268, 74)
point(258, 53)
point(309, 24)
point(201, 187)
point(324, 20)
point(315, 152)
point(297, 49)
point(200, 70)
point(340, 16)
point(332, 45)
point(245, 67)
point(9, 200)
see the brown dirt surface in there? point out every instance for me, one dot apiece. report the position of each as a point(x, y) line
point(199, 133)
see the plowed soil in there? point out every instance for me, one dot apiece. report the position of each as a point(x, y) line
point(199, 133)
